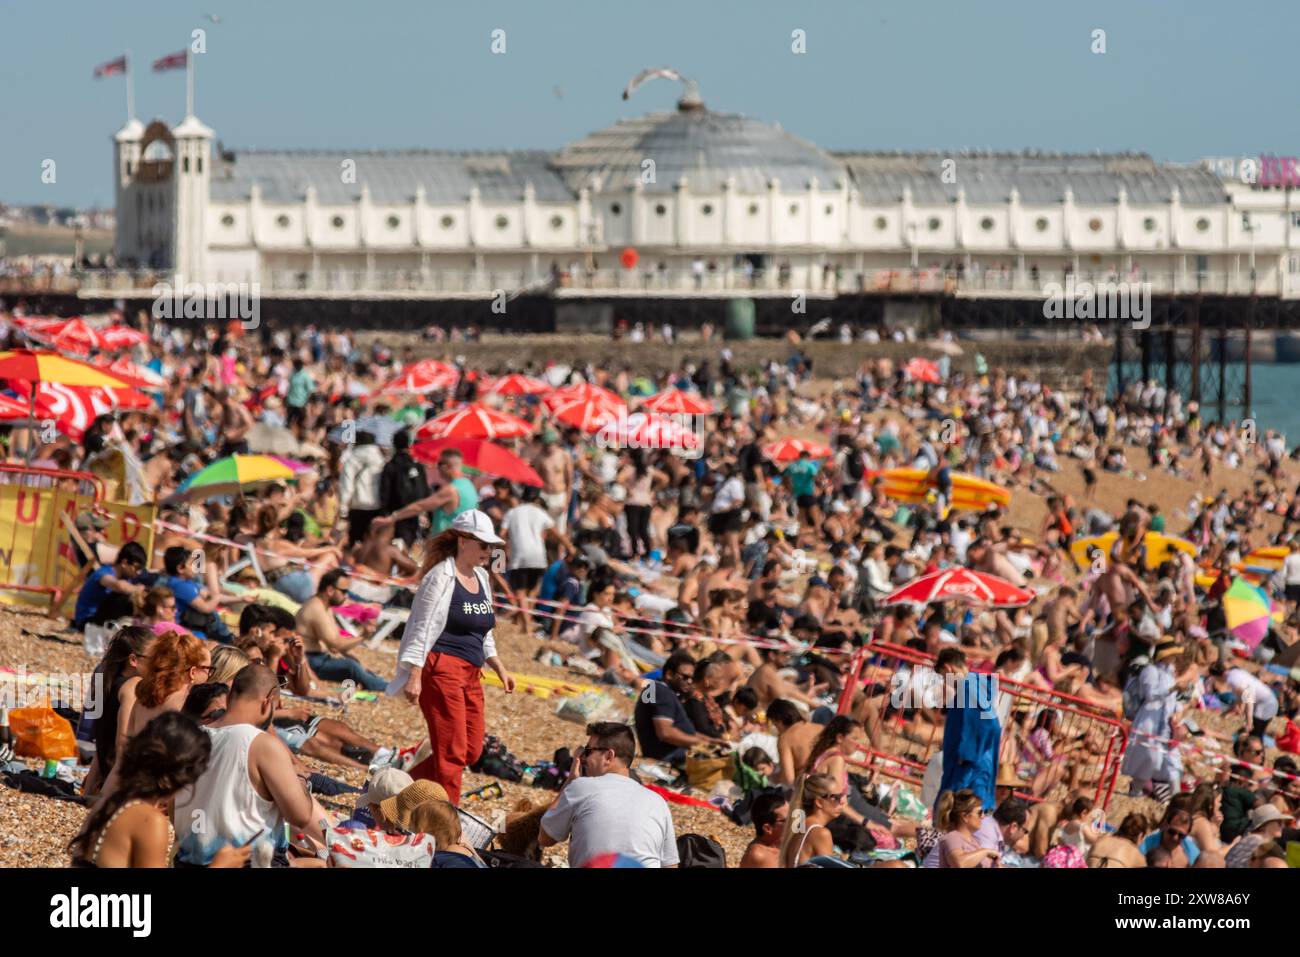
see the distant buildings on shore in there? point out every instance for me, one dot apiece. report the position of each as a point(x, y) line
point(57, 216)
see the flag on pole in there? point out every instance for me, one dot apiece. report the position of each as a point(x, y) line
point(172, 61)
point(111, 68)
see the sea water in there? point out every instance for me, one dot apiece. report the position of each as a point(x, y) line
point(1275, 393)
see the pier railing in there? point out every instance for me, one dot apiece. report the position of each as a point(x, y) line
point(683, 283)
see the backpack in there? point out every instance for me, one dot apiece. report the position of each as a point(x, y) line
point(503, 859)
point(497, 761)
point(696, 850)
point(853, 466)
point(402, 482)
point(1132, 697)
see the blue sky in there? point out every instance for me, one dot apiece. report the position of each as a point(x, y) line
point(1181, 79)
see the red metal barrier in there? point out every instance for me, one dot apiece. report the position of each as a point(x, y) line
point(1086, 742)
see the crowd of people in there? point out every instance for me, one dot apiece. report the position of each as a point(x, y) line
point(729, 592)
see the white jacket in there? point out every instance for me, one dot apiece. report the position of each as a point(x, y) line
point(428, 618)
point(359, 471)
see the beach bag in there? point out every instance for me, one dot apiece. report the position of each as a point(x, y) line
point(703, 770)
point(696, 850)
point(585, 708)
point(42, 733)
point(1132, 698)
point(358, 848)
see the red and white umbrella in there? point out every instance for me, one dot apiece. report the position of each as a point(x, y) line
point(642, 431)
point(787, 450)
point(141, 377)
point(961, 585)
point(13, 410)
point(923, 370)
point(420, 383)
point(120, 337)
point(474, 421)
point(74, 335)
point(678, 402)
point(37, 324)
point(587, 392)
point(587, 415)
point(517, 384)
point(74, 408)
point(423, 377)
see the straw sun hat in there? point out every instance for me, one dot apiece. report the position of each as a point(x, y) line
point(400, 808)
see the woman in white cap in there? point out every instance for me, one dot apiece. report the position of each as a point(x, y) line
point(447, 641)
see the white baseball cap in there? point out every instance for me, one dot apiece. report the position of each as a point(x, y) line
point(382, 784)
point(474, 523)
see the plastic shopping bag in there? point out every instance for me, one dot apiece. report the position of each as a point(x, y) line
point(42, 733)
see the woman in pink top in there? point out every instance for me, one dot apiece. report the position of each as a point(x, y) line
point(960, 815)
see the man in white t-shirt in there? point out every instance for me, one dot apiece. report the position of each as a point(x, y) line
point(1258, 699)
point(526, 528)
point(603, 810)
point(726, 515)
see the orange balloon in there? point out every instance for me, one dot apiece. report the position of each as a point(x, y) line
point(629, 258)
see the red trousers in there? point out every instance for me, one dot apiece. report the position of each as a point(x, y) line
point(451, 700)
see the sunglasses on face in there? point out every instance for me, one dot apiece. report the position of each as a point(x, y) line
point(1175, 833)
point(214, 714)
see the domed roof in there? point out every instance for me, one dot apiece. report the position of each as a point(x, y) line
point(704, 147)
point(132, 132)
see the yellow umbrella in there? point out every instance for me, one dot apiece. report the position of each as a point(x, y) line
point(38, 365)
point(41, 365)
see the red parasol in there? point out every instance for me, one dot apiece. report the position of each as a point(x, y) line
point(120, 337)
point(678, 402)
point(963, 585)
point(923, 370)
point(482, 456)
point(474, 421)
point(517, 384)
point(787, 450)
point(642, 431)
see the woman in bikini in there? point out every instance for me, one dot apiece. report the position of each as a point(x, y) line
point(818, 801)
point(1207, 816)
point(842, 737)
point(1121, 848)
